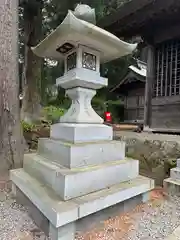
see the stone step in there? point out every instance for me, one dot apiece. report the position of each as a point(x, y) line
point(71, 183)
point(81, 154)
point(175, 173)
point(78, 133)
point(61, 212)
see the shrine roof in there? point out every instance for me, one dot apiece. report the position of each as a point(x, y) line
point(135, 16)
point(134, 74)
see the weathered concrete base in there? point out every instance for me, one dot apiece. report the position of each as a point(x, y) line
point(66, 232)
point(62, 219)
point(85, 224)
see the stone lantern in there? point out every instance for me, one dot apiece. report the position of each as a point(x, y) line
point(79, 170)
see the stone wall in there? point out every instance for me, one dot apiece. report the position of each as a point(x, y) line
point(157, 153)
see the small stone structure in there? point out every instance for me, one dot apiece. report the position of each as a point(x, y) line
point(172, 184)
point(79, 173)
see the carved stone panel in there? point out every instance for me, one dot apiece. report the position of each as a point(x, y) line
point(71, 61)
point(89, 61)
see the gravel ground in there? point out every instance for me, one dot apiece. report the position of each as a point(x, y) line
point(155, 220)
point(15, 224)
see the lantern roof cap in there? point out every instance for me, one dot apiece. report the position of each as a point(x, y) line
point(73, 32)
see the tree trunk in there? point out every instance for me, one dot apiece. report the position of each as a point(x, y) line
point(32, 64)
point(11, 152)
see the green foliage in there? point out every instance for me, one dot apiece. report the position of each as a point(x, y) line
point(62, 100)
point(27, 127)
point(115, 107)
point(169, 164)
point(114, 102)
point(52, 113)
point(99, 106)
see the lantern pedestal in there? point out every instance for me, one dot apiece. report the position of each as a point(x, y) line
point(79, 176)
point(81, 110)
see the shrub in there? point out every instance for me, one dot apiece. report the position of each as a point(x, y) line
point(52, 113)
point(116, 109)
point(27, 127)
point(99, 106)
point(113, 106)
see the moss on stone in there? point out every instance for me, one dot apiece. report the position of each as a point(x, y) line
point(156, 156)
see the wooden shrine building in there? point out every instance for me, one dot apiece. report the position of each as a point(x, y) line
point(158, 24)
point(131, 91)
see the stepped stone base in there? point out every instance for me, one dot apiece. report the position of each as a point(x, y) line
point(62, 219)
point(71, 183)
point(77, 178)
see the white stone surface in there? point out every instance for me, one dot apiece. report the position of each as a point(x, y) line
point(78, 182)
point(100, 200)
point(81, 154)
point(56, 210)
point(85, 12)
point(66, 232)
point(78, 133)
point(146, 197)
point(81, 110)
point(82, 78)
point(171, 185)
point(175, 173)
point(61, 213)
point(77, 32)
point(178, 163)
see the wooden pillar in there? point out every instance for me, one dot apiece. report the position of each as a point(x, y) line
point(149, 87)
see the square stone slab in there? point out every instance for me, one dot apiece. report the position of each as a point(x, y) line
point(78, 133)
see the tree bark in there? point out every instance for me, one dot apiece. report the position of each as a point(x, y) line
point(11, 151)
point(32, 64)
